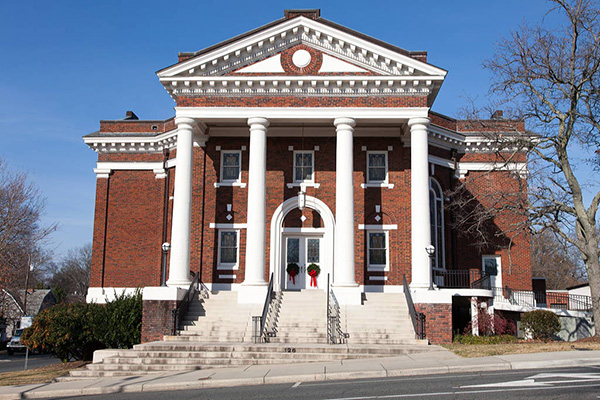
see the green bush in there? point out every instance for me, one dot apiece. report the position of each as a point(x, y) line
point(472, 339)
point(65, 330)
point(122, 321)
point(75, 331)
point(541, 324)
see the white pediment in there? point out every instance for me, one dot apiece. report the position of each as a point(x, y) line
point(271, 65)
point(219, 71)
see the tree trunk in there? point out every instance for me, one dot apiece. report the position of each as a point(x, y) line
point(593, 268)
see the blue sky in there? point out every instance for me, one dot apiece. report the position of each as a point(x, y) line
point(66, 64)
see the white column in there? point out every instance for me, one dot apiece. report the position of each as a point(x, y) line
point(179, 268)
point(419, 203)
point(343, 274)
point(257, 194)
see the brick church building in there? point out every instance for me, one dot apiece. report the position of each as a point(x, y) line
point(303, 143)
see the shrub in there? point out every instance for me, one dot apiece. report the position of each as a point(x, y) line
point(541, 324)
point(75, 331)
point(471, 339)
point(122, 321)
point(489, 325)
point(66, 331)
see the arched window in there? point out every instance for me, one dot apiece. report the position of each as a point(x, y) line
point(436, 209)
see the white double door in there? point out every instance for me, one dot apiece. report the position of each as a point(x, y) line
point(302, 251)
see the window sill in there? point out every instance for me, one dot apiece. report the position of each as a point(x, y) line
point(305, 184)
point(227, 267)
point(230, 184)
point(377, 268)
point(377, 185)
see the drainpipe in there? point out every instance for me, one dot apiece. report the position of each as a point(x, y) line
point(166, 153)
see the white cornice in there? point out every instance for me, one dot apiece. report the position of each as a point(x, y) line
point(308, 114)
point(301, 85)
point(105, 168)
point(465, 167)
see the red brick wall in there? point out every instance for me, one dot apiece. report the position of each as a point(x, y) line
point(507, 233)
point(438, 321)
point(156, 319)
point(133, 245)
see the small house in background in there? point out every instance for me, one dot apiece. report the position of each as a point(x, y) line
point(13, 306)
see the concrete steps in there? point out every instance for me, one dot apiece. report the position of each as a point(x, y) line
point(217, 333)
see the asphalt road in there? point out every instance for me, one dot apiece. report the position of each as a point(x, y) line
point(561, 384)
point(16, 362)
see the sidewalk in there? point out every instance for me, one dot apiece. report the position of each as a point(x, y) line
point(438, 362)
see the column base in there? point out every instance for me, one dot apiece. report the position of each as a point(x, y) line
point(252, 293)
point(348, 294)
point(179, 284)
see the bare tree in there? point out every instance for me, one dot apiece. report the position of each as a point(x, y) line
point(553, 76)
point(556, 261)
point(71, 275)
point(21, 231)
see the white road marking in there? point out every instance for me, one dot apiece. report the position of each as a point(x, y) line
point(296, 384)
point(419, 395)
point(531, 380)
point(5, 360)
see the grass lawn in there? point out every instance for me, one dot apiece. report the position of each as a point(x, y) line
point(39, 375)
point(483, 350)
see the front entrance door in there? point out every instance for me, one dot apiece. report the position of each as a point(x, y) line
point(491, 265)
point(301, 251)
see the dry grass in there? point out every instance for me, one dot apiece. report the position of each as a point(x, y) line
point(39, 375)
point(484, 350)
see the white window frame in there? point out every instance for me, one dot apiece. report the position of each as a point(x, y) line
point(385, 180)
point(239, 178)
point(378, 267)
point(377, 183)
point(440, 254)
point(312, 153)
point(228, 266)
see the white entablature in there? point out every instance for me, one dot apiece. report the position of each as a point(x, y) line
point(394, 73)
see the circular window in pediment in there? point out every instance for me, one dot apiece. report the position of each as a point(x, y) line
point(301, 60)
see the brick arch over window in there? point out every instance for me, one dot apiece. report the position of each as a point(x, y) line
point(275, 252)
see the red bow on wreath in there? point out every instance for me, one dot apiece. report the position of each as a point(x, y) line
point(313, 271)
point(292, 275)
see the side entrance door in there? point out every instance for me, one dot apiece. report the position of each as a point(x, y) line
point(301, 251)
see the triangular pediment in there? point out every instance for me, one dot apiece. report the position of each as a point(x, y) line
point(305, 48)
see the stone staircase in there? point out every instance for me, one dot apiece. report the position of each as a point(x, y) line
point(382, 319)
point(217, 333)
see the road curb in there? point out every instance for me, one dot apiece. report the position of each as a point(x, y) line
point(503, 365)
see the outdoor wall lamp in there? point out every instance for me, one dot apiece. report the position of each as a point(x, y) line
point(302, 197)
point(430, 250)
point(166, 246)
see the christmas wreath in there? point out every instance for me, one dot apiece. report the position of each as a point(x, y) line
point(313, 270)
point(293, 269)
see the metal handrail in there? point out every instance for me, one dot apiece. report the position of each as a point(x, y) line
point(182, 308)
point(258, 322)
point(457, 279)
point(550, 300)
point(417, 318)
point(335, 334)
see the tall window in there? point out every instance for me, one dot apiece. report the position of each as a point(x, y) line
point(231, 162)
point(378, 250)
point(228, 249)
point(303, 166)
point(377, 167)
point(436, 209)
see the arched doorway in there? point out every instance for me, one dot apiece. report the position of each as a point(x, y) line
point(302, 238)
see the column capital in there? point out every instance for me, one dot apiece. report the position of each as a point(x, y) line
point(340, 122)
point(419, 121)
point(190, 123)
point(260, 121)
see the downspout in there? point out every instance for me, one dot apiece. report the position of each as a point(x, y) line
point(203, 210)
point(105, 232)
point(166, 154)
